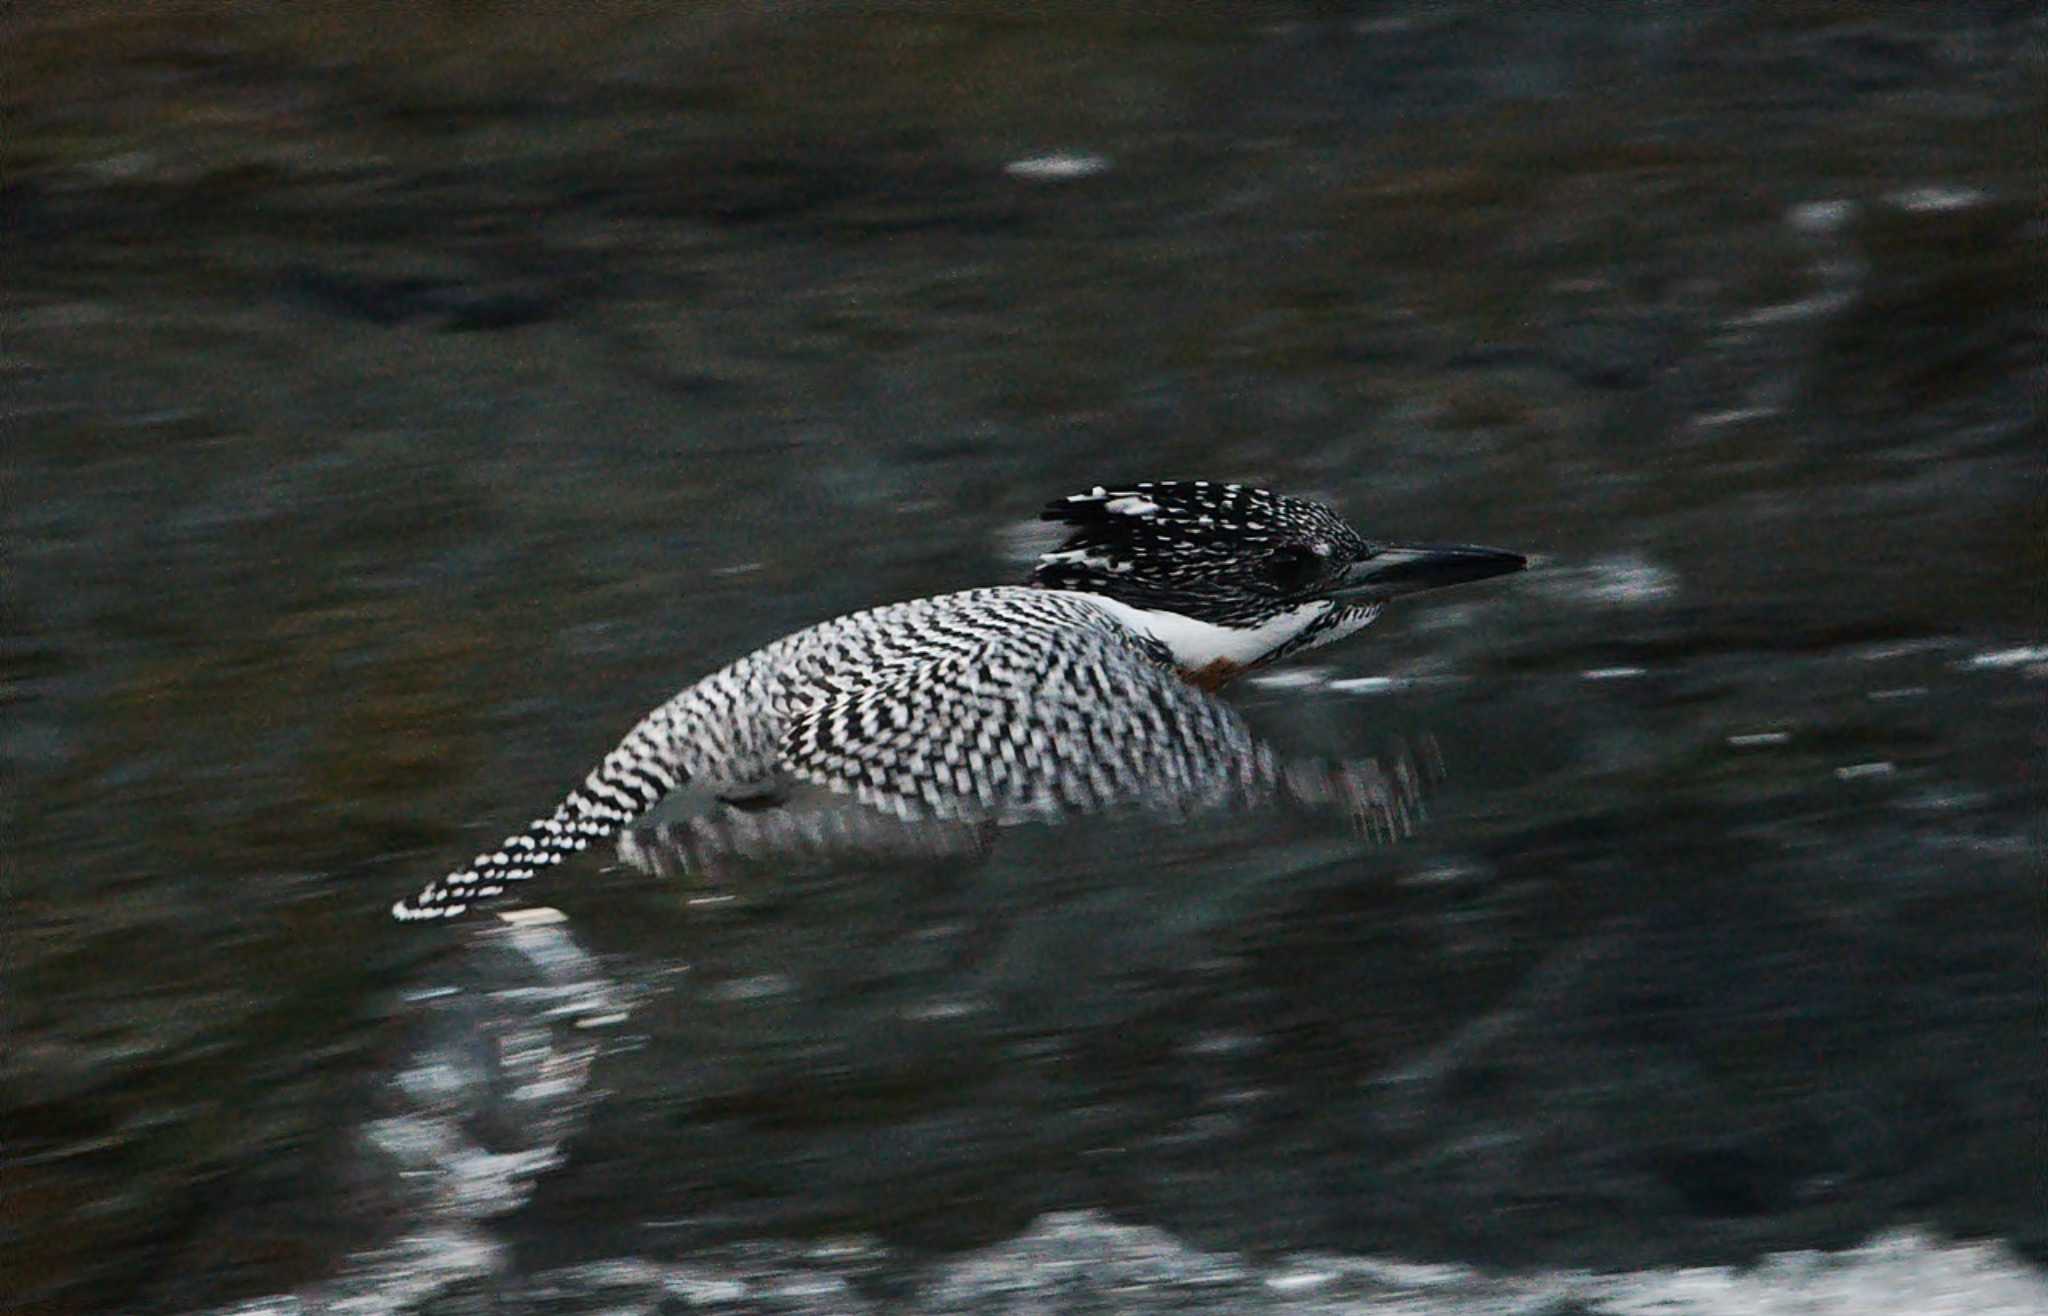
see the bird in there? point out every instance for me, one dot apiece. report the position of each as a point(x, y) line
point(1092, 685)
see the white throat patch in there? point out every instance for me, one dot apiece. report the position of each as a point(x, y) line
point(1196, 644)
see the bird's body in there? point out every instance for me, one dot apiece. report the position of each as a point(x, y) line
point(1086, 689)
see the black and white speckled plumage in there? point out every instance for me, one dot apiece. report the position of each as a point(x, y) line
point(995, 705)
point(1196, 547)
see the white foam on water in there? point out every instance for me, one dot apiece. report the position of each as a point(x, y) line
point(1083, 1260)
point(2018, 656)
point(449, 1187)
point(514, 1038)
point(1938, 197)
point(1291, 678)
point(1057, 166)
point(1617, 580)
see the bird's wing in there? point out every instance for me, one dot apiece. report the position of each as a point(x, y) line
point(1030, 725)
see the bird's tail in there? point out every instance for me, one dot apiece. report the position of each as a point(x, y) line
point(626, 785)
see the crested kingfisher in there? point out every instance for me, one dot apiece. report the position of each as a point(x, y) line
point(1091, 686)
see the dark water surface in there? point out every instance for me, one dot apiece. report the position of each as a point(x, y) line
point(396, 403)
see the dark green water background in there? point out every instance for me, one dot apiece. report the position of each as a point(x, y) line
point(397, 400)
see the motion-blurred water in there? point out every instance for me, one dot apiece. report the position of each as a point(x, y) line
point(399, 400)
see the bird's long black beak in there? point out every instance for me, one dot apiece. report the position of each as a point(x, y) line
point(1393, 569)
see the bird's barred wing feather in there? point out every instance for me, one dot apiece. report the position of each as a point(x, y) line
point(1027, 725)
point(628, 782)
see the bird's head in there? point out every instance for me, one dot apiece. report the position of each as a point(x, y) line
point(1228, 577)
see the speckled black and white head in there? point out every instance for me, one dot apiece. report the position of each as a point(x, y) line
point(1226, 577)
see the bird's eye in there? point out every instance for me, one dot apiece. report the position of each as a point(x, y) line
point(1292, 567)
